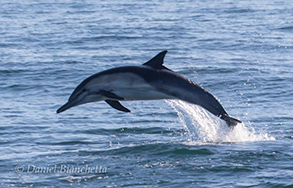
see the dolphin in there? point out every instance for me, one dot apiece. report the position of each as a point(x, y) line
point(150, 81)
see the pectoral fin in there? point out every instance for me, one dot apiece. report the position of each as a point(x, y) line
point(117, 105)
point(111, 95)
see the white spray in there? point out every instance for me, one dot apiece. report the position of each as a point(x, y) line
point(205, 127)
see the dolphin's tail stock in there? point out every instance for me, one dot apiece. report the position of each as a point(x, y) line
point(230, 121)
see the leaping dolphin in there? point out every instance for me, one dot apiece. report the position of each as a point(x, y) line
point(150, 81)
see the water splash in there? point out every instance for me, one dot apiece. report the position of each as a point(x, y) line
point(205, 127)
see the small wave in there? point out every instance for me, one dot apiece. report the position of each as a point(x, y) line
point(153, 148)
point(125, 130)
point(204, 127)
point(239, 11)
point(286, 28)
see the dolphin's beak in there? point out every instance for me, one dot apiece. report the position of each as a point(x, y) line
point(66, 106)
point(81, 98)
point(73, 101)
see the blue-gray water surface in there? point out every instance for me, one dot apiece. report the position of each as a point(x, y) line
point(240, 51)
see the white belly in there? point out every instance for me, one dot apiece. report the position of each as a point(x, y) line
point(142, 94)
point(129, 86)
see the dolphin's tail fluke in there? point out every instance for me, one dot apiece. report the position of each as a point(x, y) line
point(230, 121)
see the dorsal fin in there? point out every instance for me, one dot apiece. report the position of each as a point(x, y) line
point(157, 61)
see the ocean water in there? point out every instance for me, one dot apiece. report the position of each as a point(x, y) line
point(240, 51)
